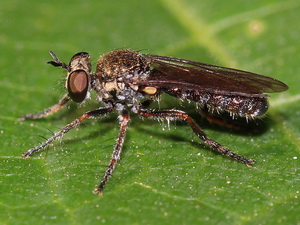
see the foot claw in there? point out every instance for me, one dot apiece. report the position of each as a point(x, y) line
point(25, 155)
point(98, 191)
point(250, 163)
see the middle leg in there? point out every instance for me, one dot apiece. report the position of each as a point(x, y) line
point(67, 128)
point(124, 119)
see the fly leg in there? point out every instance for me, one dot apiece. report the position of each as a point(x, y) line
point(49, 111)
point(171, 115)
point(124, 119)
point(67, 128)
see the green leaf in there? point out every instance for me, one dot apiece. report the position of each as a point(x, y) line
point(165, 176)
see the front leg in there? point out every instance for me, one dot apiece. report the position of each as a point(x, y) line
point(124, 119)
point(49, 111)
point(170, 115)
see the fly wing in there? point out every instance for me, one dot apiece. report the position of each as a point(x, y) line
point(171, 73)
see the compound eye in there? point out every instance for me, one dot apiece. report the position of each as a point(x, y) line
point(78, 85)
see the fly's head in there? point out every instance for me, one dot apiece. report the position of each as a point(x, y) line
point(78, 76)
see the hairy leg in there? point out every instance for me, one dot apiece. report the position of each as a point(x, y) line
point(90, 114)
point(124, 119)
point(170, 115)
point(49, 111)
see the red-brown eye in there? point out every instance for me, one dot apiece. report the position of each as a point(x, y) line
point(78, 85)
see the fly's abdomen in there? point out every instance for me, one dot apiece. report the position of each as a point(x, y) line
point(238, 105)
point(235, 105)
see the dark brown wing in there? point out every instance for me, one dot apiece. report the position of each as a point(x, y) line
point(173, 73)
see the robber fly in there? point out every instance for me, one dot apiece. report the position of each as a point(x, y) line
point(127, 80)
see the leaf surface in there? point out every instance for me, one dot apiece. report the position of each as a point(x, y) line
point(165, 176)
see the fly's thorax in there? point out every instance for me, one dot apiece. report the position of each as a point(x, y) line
point(125, 64)
point(116, 72)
